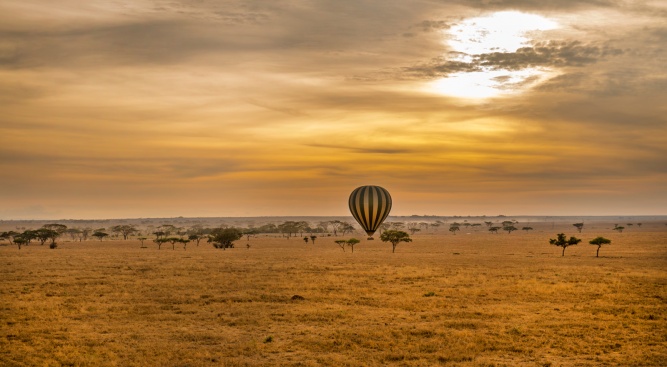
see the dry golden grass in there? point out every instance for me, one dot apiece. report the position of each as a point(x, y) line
point(475, 299)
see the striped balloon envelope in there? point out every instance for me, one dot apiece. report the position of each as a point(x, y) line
point(370, 206)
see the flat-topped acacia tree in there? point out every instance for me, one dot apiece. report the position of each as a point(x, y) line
point(599, 241)
point(509, 228)
point(560, 241)
point(351, 242)
point(395, 237)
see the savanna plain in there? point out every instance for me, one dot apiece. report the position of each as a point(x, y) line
point(473, 298)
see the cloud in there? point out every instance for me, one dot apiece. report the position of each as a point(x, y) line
point(363, 150)
point(536, 4)
point(557, 54)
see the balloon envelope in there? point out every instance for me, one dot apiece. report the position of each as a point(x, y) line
point(370, 206)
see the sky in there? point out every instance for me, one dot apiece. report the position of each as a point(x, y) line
point(196, 108)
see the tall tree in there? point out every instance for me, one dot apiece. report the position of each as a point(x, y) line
point(579, 226)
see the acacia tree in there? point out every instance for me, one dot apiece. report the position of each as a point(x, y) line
point(302, 226)
point(160, 241)
point(173, 241)
point(414, 227)
point(250, 232)
point(509, 228)
point(351, 242)
point(125, 230)
point(395, 237)
point(85, 232)
point(527, 229)
point(599, 241)
point(196, 237)
point(383, 227)
point(28, 235)
point(579, 226)
point(341, 244)
point(619, 229)
point(397, 225)
point(142, 239)
point(74, 233)
point(560, 241)
point(100, 235)
point(19, 241)
point(9, 236)
point(346, 227)
point(44, 234)
point(335, 225)
point(454, 228)
point(224, 237)
point(288, 228)
point(313, 238)
point(494, 229)
point(55, 230)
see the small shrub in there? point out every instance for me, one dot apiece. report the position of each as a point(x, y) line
point(429, 294)
point(53, 245)
point(268, 339)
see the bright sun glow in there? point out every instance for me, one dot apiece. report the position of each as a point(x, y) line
point(499, 32)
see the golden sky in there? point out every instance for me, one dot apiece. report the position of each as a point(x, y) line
point(149, 108)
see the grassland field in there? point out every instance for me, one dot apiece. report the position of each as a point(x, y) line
point(469, 299)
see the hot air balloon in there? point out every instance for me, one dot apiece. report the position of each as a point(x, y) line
point(370, 206)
